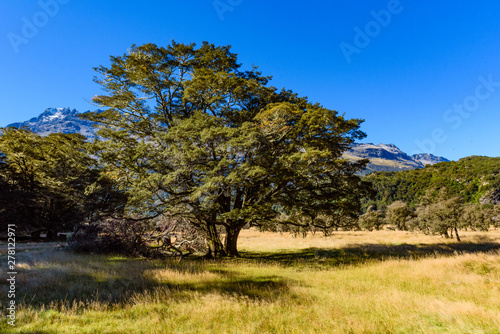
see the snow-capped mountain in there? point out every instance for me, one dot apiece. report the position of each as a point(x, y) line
point(64, 120)
point(388, 157)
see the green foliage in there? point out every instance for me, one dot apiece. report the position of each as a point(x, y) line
point(398, 213)
point(474, 178)
point(441, 214)
point(371, 220)
point(50, 182)
point(479, 217)
point(190, 134)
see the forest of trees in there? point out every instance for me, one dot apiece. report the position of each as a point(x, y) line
point(475, 178)
point(439, 199)
point(192, 149)
point(51, 184)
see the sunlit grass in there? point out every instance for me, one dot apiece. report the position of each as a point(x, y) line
point(353, 282)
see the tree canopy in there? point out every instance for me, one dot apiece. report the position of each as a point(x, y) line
point(50, 182)
point(188, 133)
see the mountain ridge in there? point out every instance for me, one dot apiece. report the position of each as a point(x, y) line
point(63, 120)
point(388, 157)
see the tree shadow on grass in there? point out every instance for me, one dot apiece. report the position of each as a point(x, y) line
point(35, 332)
point(121, 280)
point(359, 254)
point(31, 332)
point(251, 287)
point(77, 291)
point(126, 280)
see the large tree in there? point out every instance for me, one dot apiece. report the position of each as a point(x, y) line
point(189, 133)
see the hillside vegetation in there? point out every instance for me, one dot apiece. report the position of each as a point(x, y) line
point(476, 179)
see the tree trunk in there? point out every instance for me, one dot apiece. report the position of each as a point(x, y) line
point(215, 247)
point(231, 242)
point(456, 234)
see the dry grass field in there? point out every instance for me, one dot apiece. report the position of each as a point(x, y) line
point(352, 282)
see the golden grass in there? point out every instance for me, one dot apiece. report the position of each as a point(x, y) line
point(353, 282)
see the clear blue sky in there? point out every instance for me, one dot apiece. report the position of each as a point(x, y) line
point(425, 76)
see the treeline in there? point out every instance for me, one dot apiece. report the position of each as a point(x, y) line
point(439, 199)
point(476, 179)
point(50, 184)
point(438, 213)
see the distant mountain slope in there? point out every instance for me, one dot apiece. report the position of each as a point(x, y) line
point(63, 120)
point(388, 157)
point(428, 159)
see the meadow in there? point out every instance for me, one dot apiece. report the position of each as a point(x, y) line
point(352, 282)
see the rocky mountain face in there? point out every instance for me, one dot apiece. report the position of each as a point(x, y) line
point(428, 159)
point(388, 157)
point(63, 120)
point(383, 157)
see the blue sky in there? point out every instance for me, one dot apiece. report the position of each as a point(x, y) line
point(425, 76)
